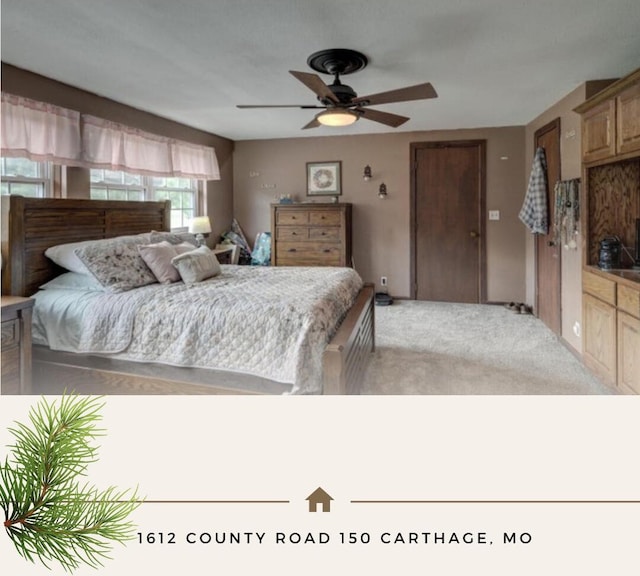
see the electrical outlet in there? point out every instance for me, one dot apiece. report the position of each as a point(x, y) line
point(494, 214)
point(383, 281)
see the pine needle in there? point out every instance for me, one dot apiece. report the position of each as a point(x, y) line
point(48, 514)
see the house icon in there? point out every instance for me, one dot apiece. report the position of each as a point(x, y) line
point(319, 497)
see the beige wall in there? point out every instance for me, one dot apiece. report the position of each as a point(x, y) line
point(264, 169)
point(218, 195)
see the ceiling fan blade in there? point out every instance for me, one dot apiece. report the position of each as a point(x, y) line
point(304, 106)
point(417, 92)
point(393, 120)
point(315, 84)
point(313, 124)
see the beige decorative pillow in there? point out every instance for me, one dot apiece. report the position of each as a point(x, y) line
point(158, 258)
point(197, 265)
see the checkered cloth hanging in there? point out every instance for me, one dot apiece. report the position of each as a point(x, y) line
point(534, 213)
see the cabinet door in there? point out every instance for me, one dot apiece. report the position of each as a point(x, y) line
point(598, 141)
point(628, 125)
point(599, 323)
point(628, 353)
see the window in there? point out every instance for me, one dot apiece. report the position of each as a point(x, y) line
point(182, 192)
point(25, 177)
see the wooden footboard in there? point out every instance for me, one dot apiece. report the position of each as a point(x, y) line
point(347, 355)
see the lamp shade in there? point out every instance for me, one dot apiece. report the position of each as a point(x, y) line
point(200, 225)
point(337, 117)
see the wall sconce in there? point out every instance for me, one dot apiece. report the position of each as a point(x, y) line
point(367, 173)
point(382, 191)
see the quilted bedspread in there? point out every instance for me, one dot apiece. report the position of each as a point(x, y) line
point(272, 322)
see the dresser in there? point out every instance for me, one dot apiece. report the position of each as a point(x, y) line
point(311, 234)
point(16, 345)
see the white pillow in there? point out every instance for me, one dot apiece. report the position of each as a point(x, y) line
point(64, 254)
point(197, 265)
point(74, 281)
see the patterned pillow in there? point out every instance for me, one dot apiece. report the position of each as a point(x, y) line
point(117, 265)
point(197, 265)
point(173, 237)
point(158, 257)
point(64, 254)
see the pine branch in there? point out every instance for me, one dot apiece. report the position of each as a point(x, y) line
point(48, 515)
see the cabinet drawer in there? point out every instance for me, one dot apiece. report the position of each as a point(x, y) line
point(629, 300)
point(292, 217)
point(324, 234)
point(599, 287)
point(294, 233)
point(325, 218)
point(10, 333)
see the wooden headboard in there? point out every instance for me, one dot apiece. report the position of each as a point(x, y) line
point(36, 224)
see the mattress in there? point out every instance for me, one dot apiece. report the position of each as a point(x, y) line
point(272, 322)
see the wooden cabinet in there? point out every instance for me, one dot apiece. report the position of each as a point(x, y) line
point(611, 120)
point(16, 345)
point(611, 323)
point(599, 344)
point(598, 124)
point(628, 353)
point(610, 205)
point(311, 234)
point(628, 119)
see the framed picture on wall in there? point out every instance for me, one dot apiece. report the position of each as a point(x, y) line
point(324, 178)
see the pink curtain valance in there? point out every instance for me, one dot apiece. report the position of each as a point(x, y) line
point(43, 132)
point(39, 131)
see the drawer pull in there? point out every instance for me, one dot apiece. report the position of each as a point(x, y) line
point(294, 233)
point(327, 250)
point(291, 250)
point(324, 234)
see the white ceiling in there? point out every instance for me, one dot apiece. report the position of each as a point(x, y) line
point(492, 62)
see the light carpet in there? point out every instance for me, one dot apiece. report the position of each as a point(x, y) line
point(444, 348)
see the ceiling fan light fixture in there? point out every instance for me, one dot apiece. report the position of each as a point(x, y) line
point(337, 117)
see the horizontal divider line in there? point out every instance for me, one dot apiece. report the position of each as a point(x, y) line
point(495, 501)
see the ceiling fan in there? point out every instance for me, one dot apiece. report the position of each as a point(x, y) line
point(340, 104)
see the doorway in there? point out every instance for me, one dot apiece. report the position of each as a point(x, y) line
point(448, 247)
point(547, 305)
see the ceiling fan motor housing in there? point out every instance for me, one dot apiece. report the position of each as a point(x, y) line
point(345, 94)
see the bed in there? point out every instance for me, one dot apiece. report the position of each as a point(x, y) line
point(38, 224)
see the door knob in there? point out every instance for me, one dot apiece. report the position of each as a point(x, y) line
point(474, 234)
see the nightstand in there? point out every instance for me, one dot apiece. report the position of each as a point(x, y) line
point(16, 345)
point(223, 254)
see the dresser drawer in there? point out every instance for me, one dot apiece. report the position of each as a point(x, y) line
point(629, 300)
point(294, 233)
point(10, 333)
point(310, 254)
point(292, 217)
point(600, 287)
point(324, 234)
point(325, 218)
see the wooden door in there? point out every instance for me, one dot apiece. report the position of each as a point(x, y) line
point(448, 199)
point(548, 253)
